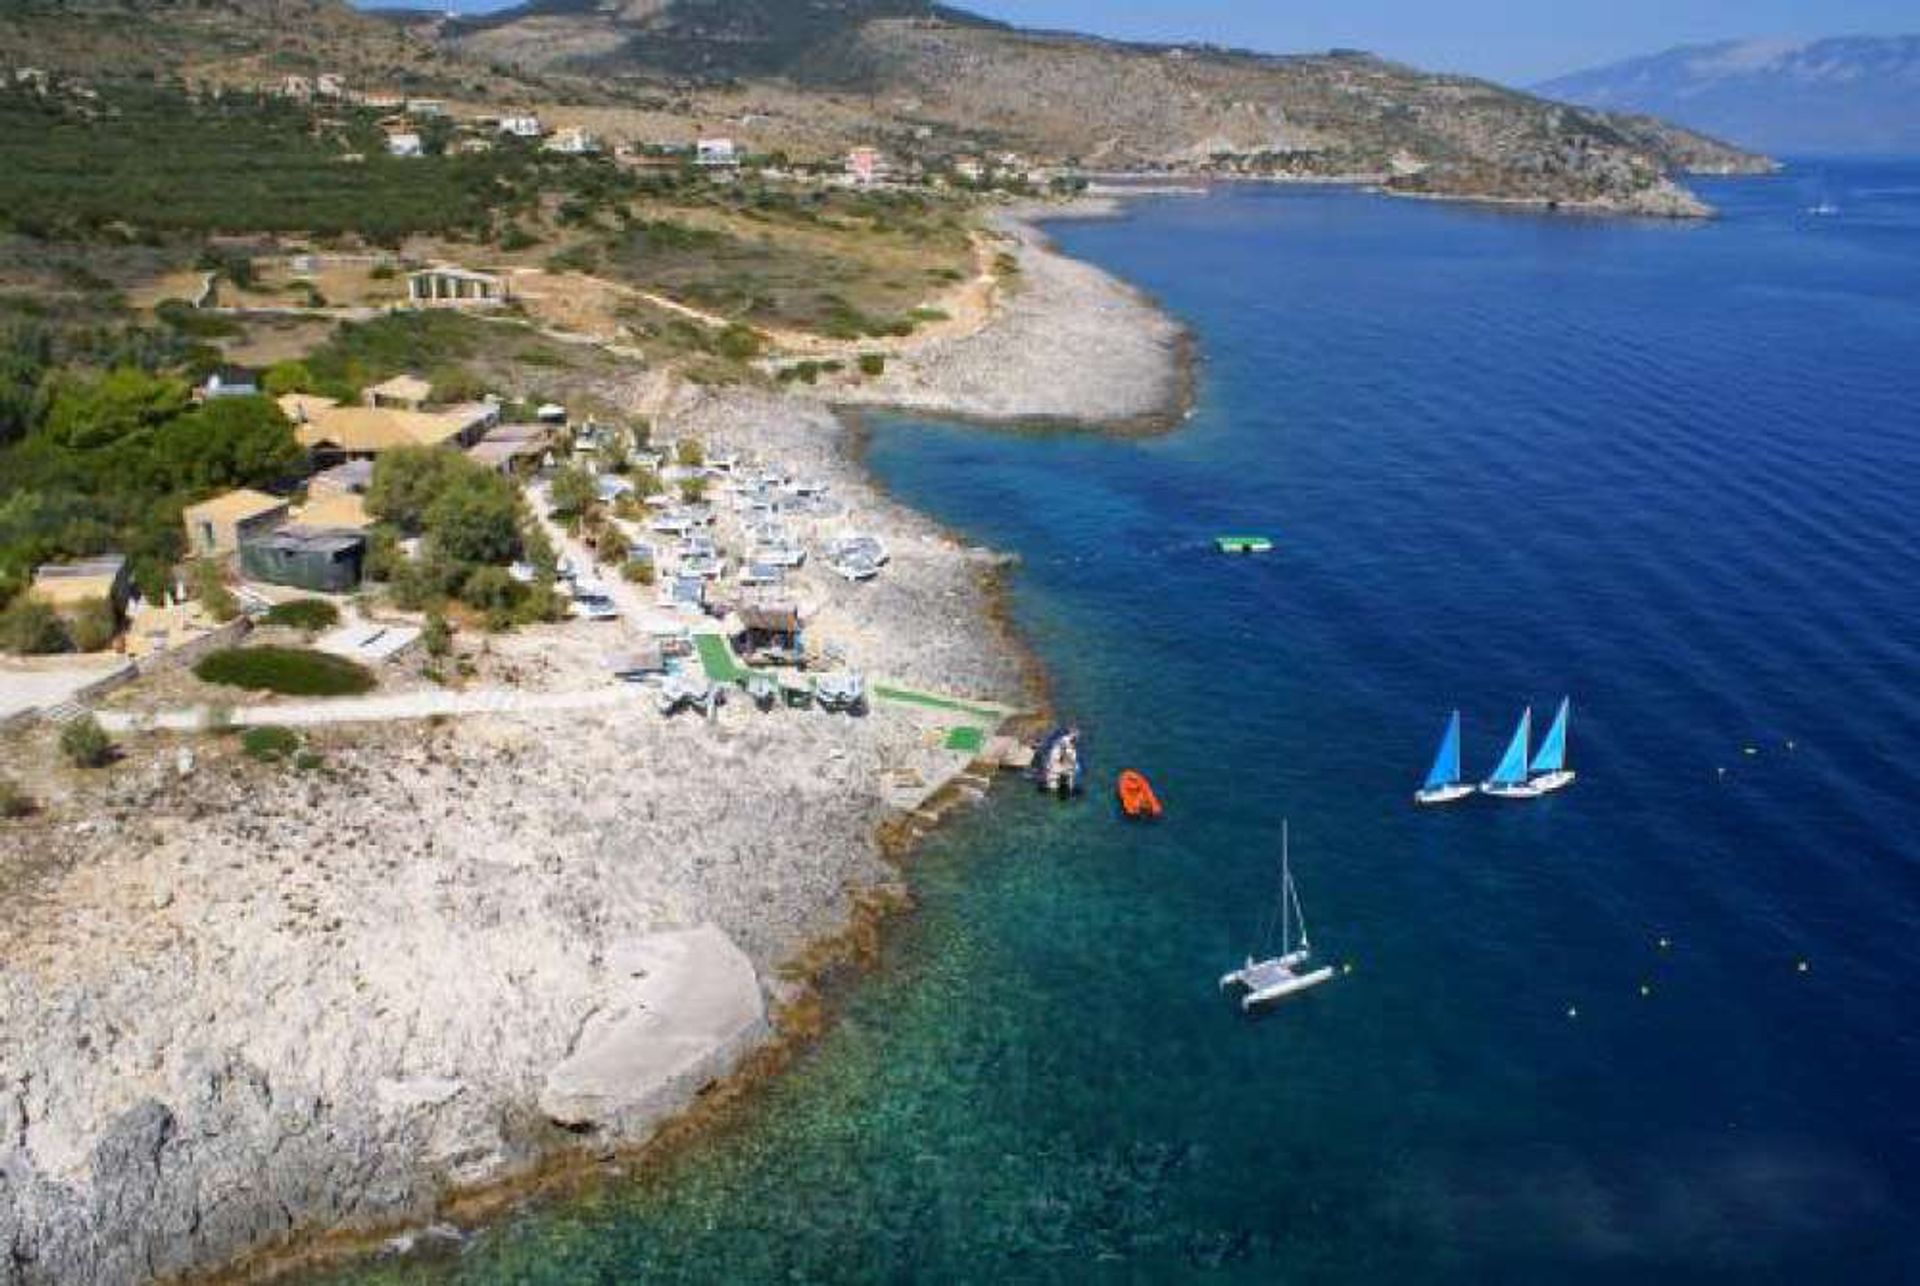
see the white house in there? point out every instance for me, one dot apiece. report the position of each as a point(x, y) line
point(405, 145)
point(573, 141)
point(865, 166)
point(521, 126)
point(716, 152)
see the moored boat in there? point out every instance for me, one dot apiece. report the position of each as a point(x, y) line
point(1243, 544)
point(1137, 799)
point(1057, 765)
point(1264, 981)
point(1444, 784)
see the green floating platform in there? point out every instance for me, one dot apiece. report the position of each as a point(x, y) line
point(1243, 544)
point(970, 741)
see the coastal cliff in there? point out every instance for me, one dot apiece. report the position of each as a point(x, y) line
point(249, 1008)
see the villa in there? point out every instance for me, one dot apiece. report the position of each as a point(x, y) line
point(450, 287)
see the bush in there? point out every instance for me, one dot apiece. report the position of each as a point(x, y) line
point(738, 342)
point(32, 627)
point(293, 672)
point(210, 590)
point(690, 454)
point(639, 572)
point(693, 490)
point(270, 744)
point(873, 364)
point(437, 635)
point(309, 614)
point(611, 545)
point(93, 625)
point(85, 743)
point(491, 589)
point(14, 801)
point(287, 377)
point(573, 492)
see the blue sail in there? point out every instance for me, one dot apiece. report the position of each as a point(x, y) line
point(1513, 765)
point(1446, 764)
point(1553, 749)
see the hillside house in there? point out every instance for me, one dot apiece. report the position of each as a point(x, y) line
point(512, 449)
point(334, 511)
point(405, 144)
point(228, 381)
point(349, 479)
point(216, 527)
point(70, 586)
point(716, 153)
point(325, 562)
point(401, 393)
point(521, 127)
point(866, 166)
point(573, 141)
point(334, 434)
point(449, 287)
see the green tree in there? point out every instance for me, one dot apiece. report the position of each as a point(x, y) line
point(477, 519)
point(491, 589)
point(437, 635)
point(88, 412)
point(407, 481)
point(228, 442)
point(210, 590)
point(573, 492)
point(287, 377)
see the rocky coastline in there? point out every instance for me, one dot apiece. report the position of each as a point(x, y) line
point(257, 1015)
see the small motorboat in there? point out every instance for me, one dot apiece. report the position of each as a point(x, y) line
point(1137, 799)
point(1057, 766)
point(1244, 544)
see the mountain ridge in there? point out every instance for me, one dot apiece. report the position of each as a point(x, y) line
point(1838, 94)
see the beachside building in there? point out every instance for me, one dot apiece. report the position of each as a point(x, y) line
point(513, 449)
point(716, 153)
point(325, 562)
point(770, 636)
point(449, 287)
point(334, 511)
point(228, 381)
point(68, 587)
point(401, 393)
point(216, 527)
point(334, 434)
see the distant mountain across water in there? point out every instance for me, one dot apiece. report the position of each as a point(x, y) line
point(1847, 94)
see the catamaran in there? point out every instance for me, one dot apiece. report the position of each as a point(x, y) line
point(1509, 779)
point(1549, 770)
point(1444, 784)
point(1282, 975)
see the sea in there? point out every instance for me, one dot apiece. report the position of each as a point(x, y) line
point(1661, 1026)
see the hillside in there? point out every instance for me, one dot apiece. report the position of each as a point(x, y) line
point(1856, 94)
point(941, 79)
point(923, 81)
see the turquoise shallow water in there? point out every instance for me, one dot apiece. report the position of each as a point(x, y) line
point(1671, 470)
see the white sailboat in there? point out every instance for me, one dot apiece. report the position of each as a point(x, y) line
point(1549, 769)
point(1509, 779)
point(1443, 784)
point(1268, 980)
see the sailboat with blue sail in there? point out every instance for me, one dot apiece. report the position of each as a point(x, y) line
point(1443, 784)
point(1549, 770)
point(1509, 779)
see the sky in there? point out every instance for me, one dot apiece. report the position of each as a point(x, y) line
point(1515, 41)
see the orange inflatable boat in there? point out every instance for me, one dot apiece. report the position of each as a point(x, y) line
point(1136, 796)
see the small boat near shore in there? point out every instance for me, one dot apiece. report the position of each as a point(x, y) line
point(1275, 978)
point(1057, 765)
point(1243, 544)
point(1444, 784)
point(1137, 799)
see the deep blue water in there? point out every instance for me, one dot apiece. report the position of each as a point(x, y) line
point(1673, 470)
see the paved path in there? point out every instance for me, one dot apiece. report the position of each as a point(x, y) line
point(377, 709)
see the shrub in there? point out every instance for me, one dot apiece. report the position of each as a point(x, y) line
point(640, 572)
point(269, 744)
point(210, 589)
point(93, 625)
point(293, 672)
point(693, 490)
point(612, 545)
point(873, 363)
point(490, 589)
point(738, 342)
point(85, 743)
point(32, 627)
point(573, 492)
point(309, 614)
point(14, 801)
point(287, 377)
point(437, 635)
point(690, 454)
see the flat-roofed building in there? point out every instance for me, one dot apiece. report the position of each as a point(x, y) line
point(450, 287)
point(215, 527)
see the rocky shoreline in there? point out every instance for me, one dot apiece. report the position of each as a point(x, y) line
point(268, 1015)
